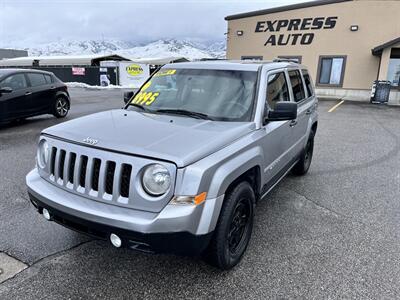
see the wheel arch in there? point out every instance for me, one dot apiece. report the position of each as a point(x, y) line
point(245, 166)
point(64, 95)
point(314, 127)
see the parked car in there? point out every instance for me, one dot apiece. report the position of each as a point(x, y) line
point(27, 93)
point(180, 169)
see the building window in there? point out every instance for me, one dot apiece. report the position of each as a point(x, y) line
point(251, 58)
point(331, 70)
point(294, 58)
point(394, 67)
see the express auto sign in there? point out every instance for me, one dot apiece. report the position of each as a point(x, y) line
point(295, 30)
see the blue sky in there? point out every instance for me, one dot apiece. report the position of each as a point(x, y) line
point(42, 21)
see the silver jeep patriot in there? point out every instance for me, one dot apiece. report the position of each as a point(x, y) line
point(181, 167)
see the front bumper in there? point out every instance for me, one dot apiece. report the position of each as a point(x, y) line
point(177, 229)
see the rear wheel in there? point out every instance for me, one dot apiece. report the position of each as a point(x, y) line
point(303, 165)
point(61, 107)
point(234, 228)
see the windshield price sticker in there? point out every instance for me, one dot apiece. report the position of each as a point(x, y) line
point(165, 73)
point(145, 98)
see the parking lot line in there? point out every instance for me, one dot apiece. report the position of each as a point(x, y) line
point(336, 106)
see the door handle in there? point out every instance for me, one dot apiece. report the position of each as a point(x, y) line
point(52, 88)
point(293, 123)
point(309, 111)
point(28, 93)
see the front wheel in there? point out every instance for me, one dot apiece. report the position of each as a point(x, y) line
point(234, 228)
point(302, 166)
point(61, 107)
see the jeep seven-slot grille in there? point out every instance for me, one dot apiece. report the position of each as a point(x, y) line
point(96, 174)
point(90, 173)
point(110, 177)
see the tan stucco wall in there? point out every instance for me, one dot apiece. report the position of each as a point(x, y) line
point(384, 65)
point(378, 21)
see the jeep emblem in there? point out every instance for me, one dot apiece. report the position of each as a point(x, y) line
point(90, 141)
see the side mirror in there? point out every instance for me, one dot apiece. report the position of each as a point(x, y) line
point(5, 90)
point(283, 111)
point(128, 95)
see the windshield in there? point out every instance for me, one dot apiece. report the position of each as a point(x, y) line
point(220, 95)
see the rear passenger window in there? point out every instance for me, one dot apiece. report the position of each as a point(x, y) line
point(277, 89)
point(37, 79)
point(48, 79)
point(297, 86)
point(307, 81)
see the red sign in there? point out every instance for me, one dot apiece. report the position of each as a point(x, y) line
point(78, 71)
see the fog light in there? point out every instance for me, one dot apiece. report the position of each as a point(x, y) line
point(46, 214)
point(115, 240)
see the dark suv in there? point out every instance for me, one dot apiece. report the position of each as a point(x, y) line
point(27, 93)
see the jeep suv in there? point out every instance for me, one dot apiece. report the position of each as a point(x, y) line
point(180, 168)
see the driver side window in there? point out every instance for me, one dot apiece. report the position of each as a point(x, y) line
point(16, 82)
point(277, 89)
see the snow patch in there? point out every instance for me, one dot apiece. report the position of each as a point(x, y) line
point(96, 87)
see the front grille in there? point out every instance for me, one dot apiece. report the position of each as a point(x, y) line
point(125, 179)
point(105, 176)
point(110, 177)
point(71, 168)
point(61, 164)
point(82, 171)
point(53, 160)
point(63, 167)
point(96, 174)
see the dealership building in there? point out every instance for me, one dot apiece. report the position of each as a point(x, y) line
point(346, 44)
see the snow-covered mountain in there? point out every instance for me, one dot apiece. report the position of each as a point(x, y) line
point(173, 47)
point(78, 47)
point(162, 48)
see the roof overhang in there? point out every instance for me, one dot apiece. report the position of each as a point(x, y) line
point(283, 8)
point(379, 49)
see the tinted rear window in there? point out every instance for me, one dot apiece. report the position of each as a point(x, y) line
point(48, 79)
point(37, 79)
point(307, 81)
point(297, 86)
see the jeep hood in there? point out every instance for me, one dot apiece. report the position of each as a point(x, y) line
point(179, 139)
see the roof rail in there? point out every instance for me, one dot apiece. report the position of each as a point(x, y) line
point(293, 60)
point(212, 59)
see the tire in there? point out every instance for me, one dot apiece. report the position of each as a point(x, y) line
point(303, 165)
point(61, 107)
point(232, 233)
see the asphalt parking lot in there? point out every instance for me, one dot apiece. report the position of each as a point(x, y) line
point(334, 233)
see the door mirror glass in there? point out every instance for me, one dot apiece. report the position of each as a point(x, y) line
point(283, 111)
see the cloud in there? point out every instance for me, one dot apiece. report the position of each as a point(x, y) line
point(37, 21)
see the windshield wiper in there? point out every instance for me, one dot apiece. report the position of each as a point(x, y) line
point(183, 112)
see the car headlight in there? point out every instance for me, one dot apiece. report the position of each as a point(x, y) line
point(43, 154)
point(156, 179)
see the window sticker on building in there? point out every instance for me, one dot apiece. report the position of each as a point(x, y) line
point(78, 71)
